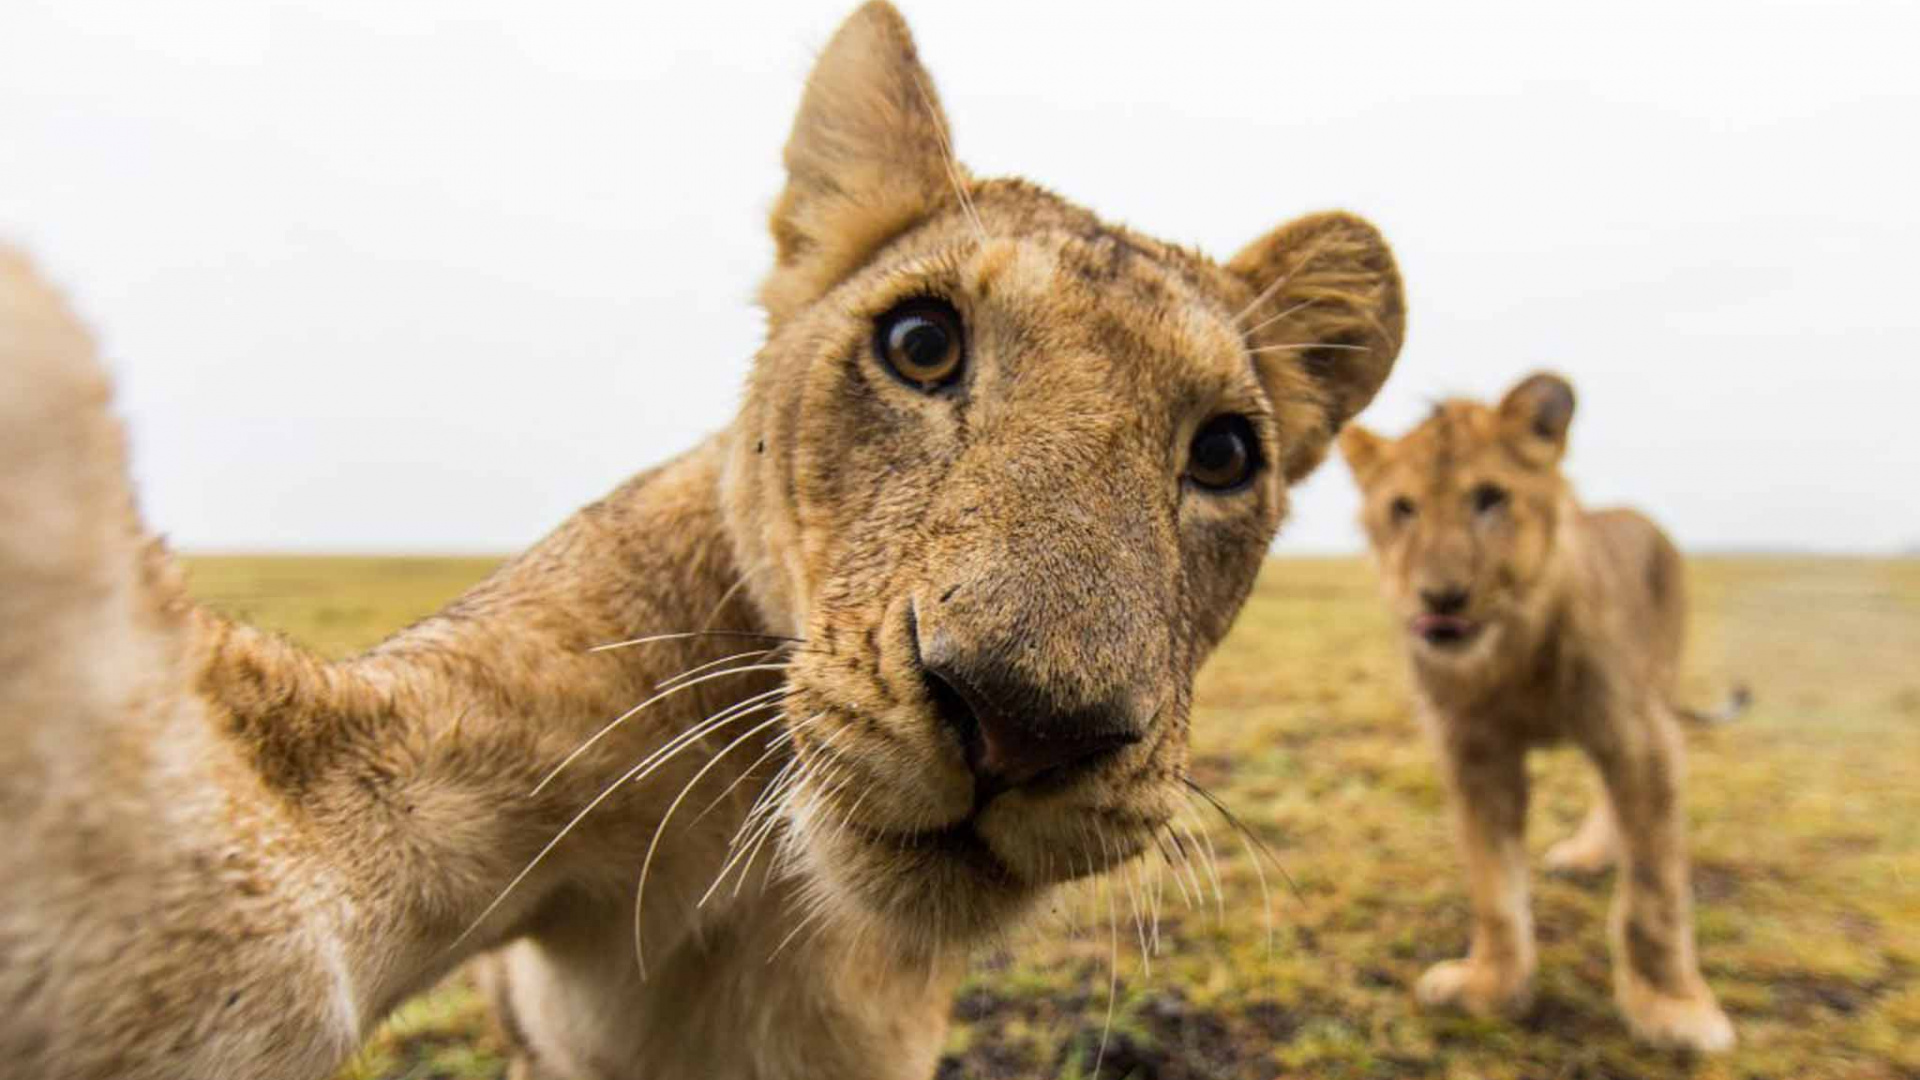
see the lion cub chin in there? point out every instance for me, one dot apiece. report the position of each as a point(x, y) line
point(1530, 620)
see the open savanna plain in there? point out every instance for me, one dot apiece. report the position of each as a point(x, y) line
point(1805, 819)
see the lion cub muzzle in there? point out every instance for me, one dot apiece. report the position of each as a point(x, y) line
point(1013, 732)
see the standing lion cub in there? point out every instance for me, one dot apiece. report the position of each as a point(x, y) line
point(731, 770)
point(1530, 620)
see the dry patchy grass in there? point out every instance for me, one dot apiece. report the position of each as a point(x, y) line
point(1805, 821)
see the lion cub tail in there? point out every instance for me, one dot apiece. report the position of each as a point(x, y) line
point(1736, 703)
point(91, 610)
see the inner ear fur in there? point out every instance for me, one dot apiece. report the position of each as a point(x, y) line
point(1326, 320)
point(867, 159)
point(1534, 417)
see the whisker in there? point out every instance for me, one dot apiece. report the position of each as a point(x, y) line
point(671, 681)
point(1219, 900)
point(638, 772)
point(1254, 846)
point(732, 591)
point(1178, 882)
point(1186, 860)
point(1281, 281)
point(1309, 345)
point(734, 845)
point(1241, 827)
point(685, 634)
point(1271, 319)
point(630, 713)
point(646, 864)
point(954, 177)
point(773, 747)
point(1113, 977)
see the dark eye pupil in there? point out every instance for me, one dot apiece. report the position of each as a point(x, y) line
point(919, 342)
point(1403, 507)
point(1217, 453)
point(1222, 455)
point(1486, 497)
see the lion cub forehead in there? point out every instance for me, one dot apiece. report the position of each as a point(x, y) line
point(1108, 292)
point(1455, 435)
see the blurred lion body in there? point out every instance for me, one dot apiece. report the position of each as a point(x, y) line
point(1533, 621)
point(233, 858)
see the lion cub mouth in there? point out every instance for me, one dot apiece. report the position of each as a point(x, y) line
point(1445, 631)
point(959, 842)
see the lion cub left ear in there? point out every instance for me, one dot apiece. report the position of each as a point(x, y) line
point(1534, 417)
point(1325, 323)
point(866, 160)
point(1364, 452)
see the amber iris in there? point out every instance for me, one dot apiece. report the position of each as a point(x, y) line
point(921, 342)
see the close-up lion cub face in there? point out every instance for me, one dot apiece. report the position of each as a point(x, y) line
point(1463, 512)
point(1009, 471)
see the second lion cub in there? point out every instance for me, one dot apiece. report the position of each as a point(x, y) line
point(1530, 620)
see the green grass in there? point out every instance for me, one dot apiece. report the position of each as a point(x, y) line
point(1805, 823)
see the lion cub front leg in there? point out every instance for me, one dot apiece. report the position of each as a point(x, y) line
point(1489, 784)
point(1656, 977)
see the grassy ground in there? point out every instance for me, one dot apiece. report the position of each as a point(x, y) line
point(1805, 822)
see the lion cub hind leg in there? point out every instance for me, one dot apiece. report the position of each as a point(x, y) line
point(1593, 847)
point(1489, 785)
point(1656, 976)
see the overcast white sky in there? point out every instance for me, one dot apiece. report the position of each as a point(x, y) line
point(427, 275)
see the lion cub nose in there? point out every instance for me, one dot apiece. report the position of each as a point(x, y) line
point(1012, 737)
point(1451, 600)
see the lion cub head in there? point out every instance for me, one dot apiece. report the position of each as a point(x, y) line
point(1463, 514)
point(1010, 471)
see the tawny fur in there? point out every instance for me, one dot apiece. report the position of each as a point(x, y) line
point(230, 858)
point(1576, 621)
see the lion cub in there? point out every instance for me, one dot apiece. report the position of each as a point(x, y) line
point(730, 771)
point(1530, 620)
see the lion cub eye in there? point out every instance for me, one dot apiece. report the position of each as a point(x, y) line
point(1488, 498)
point(1224, 454)
point(921, 342)
point(1402, 509)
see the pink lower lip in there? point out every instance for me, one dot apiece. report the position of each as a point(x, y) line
point(1442, 627)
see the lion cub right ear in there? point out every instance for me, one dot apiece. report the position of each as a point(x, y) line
point(1325, 325)
point(1534, 417)
point(866, 160)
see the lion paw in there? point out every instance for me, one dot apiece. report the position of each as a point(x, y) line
point(1680, 1023)
point(1475, 988)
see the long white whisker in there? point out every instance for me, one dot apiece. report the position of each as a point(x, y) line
point(774, 746)
point(1296, 346)
point(630, 713)
point(732, 591)
point(1271, 319)
point(1186, 859)
point(1174, 870)
point(646, 864)
point(1139, 918)
point(638, 772)
point(686, 634)
point(1253, 854)
point(1281, 281)
point(967, 208)
point(670, 681)
point(1113, 976)
point(1219, 899)
point(735, 846)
